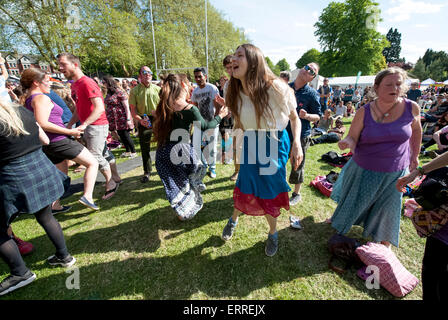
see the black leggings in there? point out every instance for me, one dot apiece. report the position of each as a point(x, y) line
point(9, 251)
point(435, 271)
point(126, 139)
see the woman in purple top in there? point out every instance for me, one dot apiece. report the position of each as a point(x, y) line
point(435, 259)
point(385, 140)
point(61, 148)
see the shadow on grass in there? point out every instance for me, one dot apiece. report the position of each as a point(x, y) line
point(198, 270)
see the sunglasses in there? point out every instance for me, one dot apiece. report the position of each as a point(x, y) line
point(310, 71)
point(145, 72)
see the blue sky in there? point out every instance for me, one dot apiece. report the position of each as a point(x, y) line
point(284, 28)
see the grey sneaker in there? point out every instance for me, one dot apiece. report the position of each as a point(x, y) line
point(229, 229)
point(271, 244)
point(295, 199)
point(13, 282)
point(66, 262)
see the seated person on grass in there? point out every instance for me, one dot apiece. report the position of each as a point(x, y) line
point(333, 135)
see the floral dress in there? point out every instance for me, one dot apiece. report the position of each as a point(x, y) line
point(116, 111)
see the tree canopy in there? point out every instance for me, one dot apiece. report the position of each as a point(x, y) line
point(347, 34)
point(433, 64)
point(392, 53)
point(115, 36)
point(312, 55)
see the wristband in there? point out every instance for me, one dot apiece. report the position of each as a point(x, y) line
point(421, 170)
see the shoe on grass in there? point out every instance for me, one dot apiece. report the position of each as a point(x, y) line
point(13, 282)
point(271, 244)
point(229, 229)
point(212, 173)
point(25, 248)
point(295, 199)
point(88, 204)
point(66, 262)
point(63, 209)
point(295, 223)
point(145, 178)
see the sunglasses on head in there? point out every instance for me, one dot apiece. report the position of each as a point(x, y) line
point(310, 71)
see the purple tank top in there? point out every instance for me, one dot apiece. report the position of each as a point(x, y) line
point(384, 147)
point(55, 118)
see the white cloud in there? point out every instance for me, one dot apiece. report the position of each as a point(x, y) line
point(421, 25)
point(382, 30)
point(406, 8)
point(249, 30)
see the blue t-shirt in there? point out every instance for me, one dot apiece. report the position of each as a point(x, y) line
point(67, 115)
point(414, 94)
point(307, 99)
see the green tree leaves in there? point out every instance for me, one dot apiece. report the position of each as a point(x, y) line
point(312, 55)
point(392, 53)
point(346, 32)
point(115, 36)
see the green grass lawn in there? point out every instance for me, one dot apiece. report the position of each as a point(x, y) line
point(136, 248)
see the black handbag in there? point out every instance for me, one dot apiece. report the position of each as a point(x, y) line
point(343, 248)
point(433, 191)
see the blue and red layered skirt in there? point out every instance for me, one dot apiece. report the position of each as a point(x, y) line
point(261, 187)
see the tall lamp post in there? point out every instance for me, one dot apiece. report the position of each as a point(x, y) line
point(153, 37)
point(206, 34)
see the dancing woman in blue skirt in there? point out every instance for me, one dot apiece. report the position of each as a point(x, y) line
point(262, 105)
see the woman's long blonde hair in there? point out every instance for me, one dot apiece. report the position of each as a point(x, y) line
point(259, 78)
point(10, 122)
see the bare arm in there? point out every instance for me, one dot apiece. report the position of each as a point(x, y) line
point(43, 136)
point(416, 136)
point(296, 149)
point(434, 164)
point(352, 137)
point(308, 116)
point(42, 106)
point(3, 68)
point(98, 109)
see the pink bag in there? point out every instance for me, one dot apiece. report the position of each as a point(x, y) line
point(393, 276)
point(321, 184)
point(410, 206)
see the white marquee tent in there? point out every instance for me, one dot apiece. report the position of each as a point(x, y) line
point(343, 82)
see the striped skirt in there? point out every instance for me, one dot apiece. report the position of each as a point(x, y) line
point(261, 187)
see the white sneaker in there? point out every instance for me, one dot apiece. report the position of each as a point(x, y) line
point(295, 223)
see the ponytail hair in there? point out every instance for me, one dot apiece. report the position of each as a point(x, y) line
point(170, 92)
point(26, 80)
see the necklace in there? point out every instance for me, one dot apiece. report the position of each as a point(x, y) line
point(382, 115)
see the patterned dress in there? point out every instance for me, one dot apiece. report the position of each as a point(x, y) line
point(116, 111)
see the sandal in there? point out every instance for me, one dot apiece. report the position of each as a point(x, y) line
point(110, 193)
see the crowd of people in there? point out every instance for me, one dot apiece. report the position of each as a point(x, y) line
point(44, 128)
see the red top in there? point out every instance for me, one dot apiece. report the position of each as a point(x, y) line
point(82, 91)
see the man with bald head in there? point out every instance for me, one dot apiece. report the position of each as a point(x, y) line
point(143, 99)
